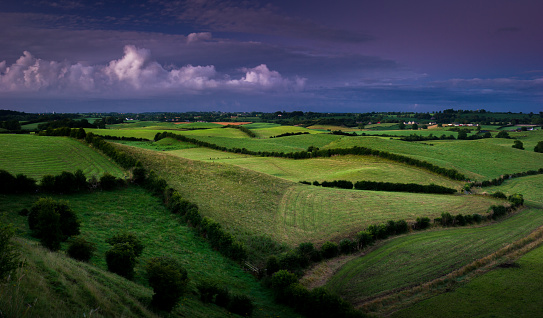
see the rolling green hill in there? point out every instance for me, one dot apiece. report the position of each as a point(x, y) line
point(37, 156)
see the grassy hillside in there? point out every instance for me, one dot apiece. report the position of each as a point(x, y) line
point(252, 203)
point(352, 168)
point(504, 292)
point(417, 258)
point(37, 156)
point(103, 214)
point(480, 159)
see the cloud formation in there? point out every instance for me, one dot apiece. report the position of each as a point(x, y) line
point(136, 73)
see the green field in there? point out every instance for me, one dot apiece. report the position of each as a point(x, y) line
point(504, 292)
point(37, 156)
point(104, 213)
point(289, 212)
point(417, 258)
point(352, 168)
point(479, 159)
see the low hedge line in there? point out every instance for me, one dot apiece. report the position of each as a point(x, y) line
point(501, 179)
point(356, 150)
point(384, 186)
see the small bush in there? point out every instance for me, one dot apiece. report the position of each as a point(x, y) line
point(364, 239)
point(279, 283)
point(108, 181)
point(241, 305)
point(329, 249)
point(168, 280)
point(422, 223)
point(81, 249)
point(272, 265)
point(347, 246)
point(121, 260)
point(129, 238)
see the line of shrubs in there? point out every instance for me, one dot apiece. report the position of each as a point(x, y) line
point(119, 157)
point(287, 134)
point(356, 150)
point(318, 302)
point(78, 133)
point(244, 129)
point(384, 186)
point(305, 254)
point(211, 292)
point(501, 179)
point(109, 137)
point(64, 183)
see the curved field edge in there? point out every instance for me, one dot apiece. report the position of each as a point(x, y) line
point(414, 259)
point(251, 203)
point(36, 156)
point(499, 290)
point(316, 214)
point(479, 159)
point(350, 167)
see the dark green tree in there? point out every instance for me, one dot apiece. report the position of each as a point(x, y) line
point(503, 134)
point(81, 249)
point(518, 145)
point(121, 260)
point(539, 147)
point(52, 222)
point(168, 280)
point(129, 238)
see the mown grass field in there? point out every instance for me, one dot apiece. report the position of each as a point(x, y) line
point(417, 258)
point(352, 168)
point(479, 159)
point(104, 213)
point(504, 292)
point(36, 156)
point(249, 202)
point(267, 132)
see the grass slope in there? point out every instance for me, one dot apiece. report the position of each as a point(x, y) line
point(37, 156)
point(414, 259)
point(480, 159)
point(103, 214)
point(352, 168)
point(504, 292)
point(252, 203)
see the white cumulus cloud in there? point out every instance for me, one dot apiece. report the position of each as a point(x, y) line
point(135, 73)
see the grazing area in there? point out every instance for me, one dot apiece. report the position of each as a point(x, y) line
point(509, 290)
point(288, 212)
point(479, 159)
point(104, 213)
point(38, 156)
point(284, 236)
point(415, 259)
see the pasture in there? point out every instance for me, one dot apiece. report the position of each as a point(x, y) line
point(479, 159)
point(352, 168)
point(413, 259)
point(503, 292)
point(252, 203)
point(36, 156)
point(104, 213)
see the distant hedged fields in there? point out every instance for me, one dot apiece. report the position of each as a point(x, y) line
point(356, 150)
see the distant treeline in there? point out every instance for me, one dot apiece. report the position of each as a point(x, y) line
point(384, 186)
point(356, 150)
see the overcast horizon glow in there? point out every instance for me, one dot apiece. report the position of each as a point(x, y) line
point(211, 55)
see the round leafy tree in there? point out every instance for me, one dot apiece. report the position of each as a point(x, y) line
point(168, 280)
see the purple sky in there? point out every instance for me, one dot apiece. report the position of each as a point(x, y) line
point(325, 56)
